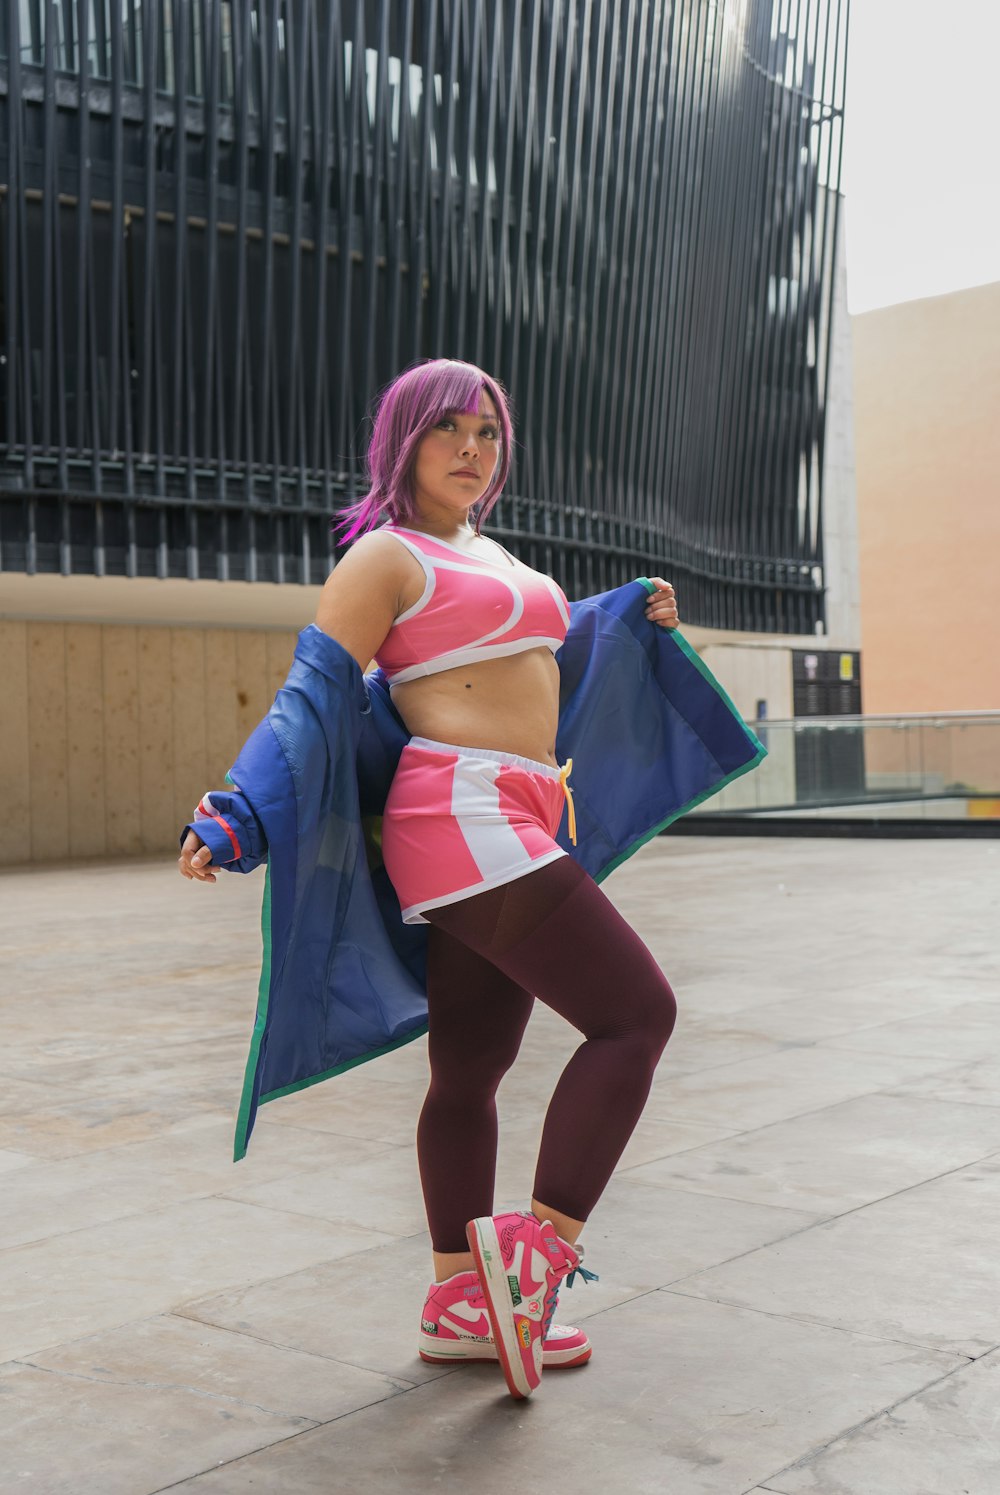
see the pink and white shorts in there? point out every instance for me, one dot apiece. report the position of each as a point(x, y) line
point(460, 820)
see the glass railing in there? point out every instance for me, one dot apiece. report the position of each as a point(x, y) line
point(933, 767)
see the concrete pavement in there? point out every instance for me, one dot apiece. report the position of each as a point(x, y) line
point(798, 1254)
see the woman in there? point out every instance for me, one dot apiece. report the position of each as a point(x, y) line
point(466, 636)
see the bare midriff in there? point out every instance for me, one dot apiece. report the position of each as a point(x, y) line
point(510, 705)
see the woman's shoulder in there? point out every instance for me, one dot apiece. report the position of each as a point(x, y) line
point(377, 548)
point(376, 566)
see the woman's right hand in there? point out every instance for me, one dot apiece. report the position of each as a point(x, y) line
point(195, 859)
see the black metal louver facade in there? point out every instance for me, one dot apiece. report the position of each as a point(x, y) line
point(225, 224)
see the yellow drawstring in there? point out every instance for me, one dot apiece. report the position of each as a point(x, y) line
point(564, 774)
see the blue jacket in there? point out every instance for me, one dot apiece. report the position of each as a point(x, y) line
point(650, 732)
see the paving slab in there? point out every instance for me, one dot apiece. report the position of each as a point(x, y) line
point(326, 1309)
point(795, 1253)
point(920, 1266)
point(128, 1410)
point(74, 1284)
point(975, 1084)
point(968, 1031)
point(380, 1192)
point(754, 1093)
point(697, 1046)
point(367, 1107)
point(687, 1397)
point(653, 1138)
point(943, 1441)
point(838, 1158)
point(59, 1126)
point(51, 1198)
point(666, 1230)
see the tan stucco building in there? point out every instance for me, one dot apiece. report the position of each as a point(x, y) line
point(927, 419)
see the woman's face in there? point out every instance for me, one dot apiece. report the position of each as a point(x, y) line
point(456, 461)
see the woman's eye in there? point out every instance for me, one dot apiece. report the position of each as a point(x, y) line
point(489, 433)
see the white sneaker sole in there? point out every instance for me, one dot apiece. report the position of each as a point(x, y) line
point(485, 1247)
point(450, 1352)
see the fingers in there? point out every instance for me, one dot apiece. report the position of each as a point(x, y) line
point(661, 607)
point(194, 863)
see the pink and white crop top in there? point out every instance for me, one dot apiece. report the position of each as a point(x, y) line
point(470, 609)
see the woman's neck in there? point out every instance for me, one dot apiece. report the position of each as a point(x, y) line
point(442, 527)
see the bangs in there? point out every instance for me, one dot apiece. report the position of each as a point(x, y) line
point(455, 389)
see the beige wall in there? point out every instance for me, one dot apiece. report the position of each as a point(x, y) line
point(927, 402)
point(755, 672)
point(122, 699)
point(108, 733)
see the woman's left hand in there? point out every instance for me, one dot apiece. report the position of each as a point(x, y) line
point(661, 607)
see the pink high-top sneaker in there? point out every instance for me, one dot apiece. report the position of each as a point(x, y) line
point(520, 1264)
point(455, 1326)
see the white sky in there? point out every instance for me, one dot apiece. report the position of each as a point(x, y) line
point(921, 149)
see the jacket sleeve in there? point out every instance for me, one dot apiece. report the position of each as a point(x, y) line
point(225, 821)
point(230, 821)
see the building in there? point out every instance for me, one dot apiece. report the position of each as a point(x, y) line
point(225, 227)
point(928, 395)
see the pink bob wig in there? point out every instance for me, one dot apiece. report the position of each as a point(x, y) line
point(410, 407)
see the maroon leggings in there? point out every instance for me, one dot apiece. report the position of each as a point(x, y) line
point(551, 934)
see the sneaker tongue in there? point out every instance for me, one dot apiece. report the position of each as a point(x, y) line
point(561, 1254)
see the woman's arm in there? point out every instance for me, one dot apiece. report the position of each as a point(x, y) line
point(369, 586)
point(374, 582)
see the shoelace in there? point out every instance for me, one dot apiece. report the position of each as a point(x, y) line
point(581, 1271)
point(552, 1297)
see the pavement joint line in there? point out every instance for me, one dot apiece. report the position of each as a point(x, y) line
point(826, 1219)
point(274, 1344)
point(302, 1214)
point(838, 1046)
point(279, 1442)
point(294, 1271)
point(680, 1152)
point(217, 1396)
point(795, 1116)
point(850, 1432)
point(791, 1318)
point(983, 1104)
point(198, 1198)
point(750, 1251)
point(640, 1293)
point(320, 1131)
point(192, 1123)
point(683, 1186)
point(883, 1092)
